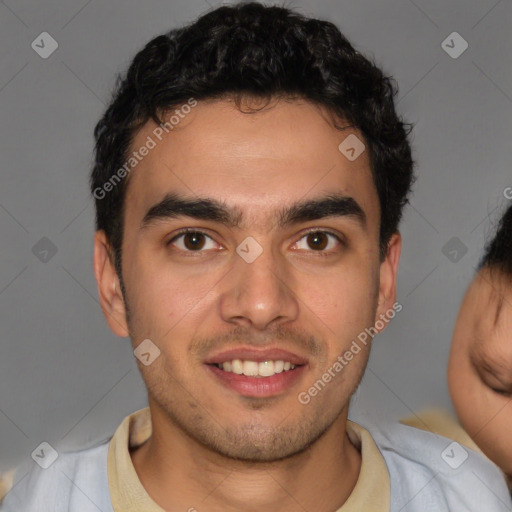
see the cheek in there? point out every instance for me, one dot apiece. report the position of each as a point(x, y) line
point(466, 388)
point(485, 416)
point(162, 295)
point(473, 408)
point(345, 295)
point(469, 395)
point(341, 308)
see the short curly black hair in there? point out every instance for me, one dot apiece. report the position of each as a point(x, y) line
point(498, 252)
point(252, 50)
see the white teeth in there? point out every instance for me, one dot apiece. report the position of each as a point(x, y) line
point(278, 366)
point(237, 366)
point(256, 369)
point(266, 369)
point(251, 368)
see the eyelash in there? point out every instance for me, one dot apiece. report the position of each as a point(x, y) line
point(500, 392)
point(321, 253)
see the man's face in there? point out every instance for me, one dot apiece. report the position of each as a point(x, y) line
point(480, 366)
point(210, 297)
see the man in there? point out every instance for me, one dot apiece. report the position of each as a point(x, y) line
point(249, 180)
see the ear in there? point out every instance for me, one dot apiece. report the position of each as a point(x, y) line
point(109, 288)
point(388, 275)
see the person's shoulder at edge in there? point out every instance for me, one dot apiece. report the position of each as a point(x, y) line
point(77, 480)
point(429, 470)
point(439, 421)
point(6, 481)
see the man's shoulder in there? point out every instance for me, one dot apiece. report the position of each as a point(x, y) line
point(74, 481)
point(432, 472)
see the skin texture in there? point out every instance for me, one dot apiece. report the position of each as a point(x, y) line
point(212, 447)
point(480, 366)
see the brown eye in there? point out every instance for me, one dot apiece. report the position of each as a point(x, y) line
point(192, 241)
point(318, 240)
point(323, 242)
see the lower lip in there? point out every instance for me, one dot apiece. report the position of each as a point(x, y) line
point(259, 387)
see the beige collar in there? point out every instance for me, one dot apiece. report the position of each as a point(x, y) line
point(371, 493)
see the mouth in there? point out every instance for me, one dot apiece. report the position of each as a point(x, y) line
point(255, 373)
point(261, 369)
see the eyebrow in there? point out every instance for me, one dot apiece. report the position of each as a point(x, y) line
point(491, 365)
point(332, 205)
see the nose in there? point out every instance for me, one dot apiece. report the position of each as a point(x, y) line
point(259, 293)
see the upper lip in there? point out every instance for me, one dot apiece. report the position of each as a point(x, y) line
point(252, 354)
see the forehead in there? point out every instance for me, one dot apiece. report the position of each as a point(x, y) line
point(491, 303)
point(256, 161)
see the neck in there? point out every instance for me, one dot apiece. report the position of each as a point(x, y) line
point(180, 474)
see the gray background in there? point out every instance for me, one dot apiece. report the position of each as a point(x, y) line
point(64, 377)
